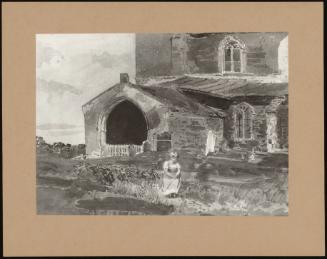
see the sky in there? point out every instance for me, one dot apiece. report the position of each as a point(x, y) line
point(70, 70)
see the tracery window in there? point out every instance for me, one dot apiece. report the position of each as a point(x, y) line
point(243, 121)
point(232, 55)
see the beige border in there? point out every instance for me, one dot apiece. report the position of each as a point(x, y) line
point(301, 233)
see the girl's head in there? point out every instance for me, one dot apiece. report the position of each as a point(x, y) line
point(173, 155)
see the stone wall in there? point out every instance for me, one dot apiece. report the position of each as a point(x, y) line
point(282, 126)
point(260, 127)
point(92, 110)
point(189, 132)
point(272, 125)
point(200, 55)
point(153, 54)
point(157, 55)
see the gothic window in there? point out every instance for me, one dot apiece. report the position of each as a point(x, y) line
point(243, 121)
point(239, 125)
point(232, 55)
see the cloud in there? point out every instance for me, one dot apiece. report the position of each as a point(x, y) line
point(72, 69)
point(108, 60)
point(47, 55)
point(65, 133)
point(54, 87)
point(61, 126)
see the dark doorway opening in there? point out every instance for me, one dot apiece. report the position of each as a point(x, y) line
point(126, 125)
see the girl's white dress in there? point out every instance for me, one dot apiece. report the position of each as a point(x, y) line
point(172, 182)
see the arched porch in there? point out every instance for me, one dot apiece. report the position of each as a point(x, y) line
point(122, 129)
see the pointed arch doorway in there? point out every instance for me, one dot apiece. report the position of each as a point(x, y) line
point(126, 124)
point(122, 129)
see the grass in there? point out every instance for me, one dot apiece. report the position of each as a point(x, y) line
point(53, 166)
point(199, 194)
point(143, 191)
point(259, 194)
point(269, 196)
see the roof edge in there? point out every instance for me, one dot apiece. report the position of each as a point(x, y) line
point(103, 92)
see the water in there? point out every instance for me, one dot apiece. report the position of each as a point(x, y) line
point(125, 205)
point(53, 199)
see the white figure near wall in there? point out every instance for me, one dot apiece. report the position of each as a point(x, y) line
point(271, 132)
point(211, 140)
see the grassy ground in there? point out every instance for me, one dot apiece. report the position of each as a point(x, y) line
point(212, 186)
point(50, 165)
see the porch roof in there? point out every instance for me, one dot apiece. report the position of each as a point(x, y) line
point(173, 98)
point(230, 86)
point(177, 101)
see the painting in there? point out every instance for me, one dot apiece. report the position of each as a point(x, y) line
point(191, 124)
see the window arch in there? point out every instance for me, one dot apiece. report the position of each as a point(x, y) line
point(243, 116)
point(231, 55)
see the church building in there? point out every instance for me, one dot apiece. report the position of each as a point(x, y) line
point(196, 92)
